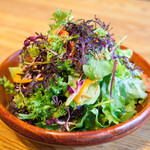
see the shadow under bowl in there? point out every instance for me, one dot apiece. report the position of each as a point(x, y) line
point(83, 138)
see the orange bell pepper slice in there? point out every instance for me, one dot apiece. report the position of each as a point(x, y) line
point(17, 78)
point(63, 34)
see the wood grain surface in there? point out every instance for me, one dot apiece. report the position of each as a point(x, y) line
point(22, 18)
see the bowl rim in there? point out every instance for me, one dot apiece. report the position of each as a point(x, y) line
point(81, 138)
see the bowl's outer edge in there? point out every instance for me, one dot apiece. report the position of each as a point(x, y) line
point(84, 138)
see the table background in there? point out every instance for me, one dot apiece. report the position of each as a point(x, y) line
point(22, 18)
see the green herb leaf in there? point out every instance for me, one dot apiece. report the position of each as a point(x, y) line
point(60, 17)
point(9, 87)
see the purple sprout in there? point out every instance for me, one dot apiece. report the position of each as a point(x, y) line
point(74, 92)
point(70, 90)
point(112, 52)
point(89, 27)
point(64, 124)
point(113, 76)
point(58, 103)
point(30, 39)
point(128, 65)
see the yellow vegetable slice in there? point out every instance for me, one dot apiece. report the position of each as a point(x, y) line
point(83, 90)
point(17, 78)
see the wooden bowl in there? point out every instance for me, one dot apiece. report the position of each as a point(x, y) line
point(84, 138)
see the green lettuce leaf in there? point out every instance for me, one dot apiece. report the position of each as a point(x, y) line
point(131, 88)
point(9, 87)
point(129, 111)
point(93, 92)
point(97, 69)
point(127, 53)
point(90, 121)
point(12, 70)
point(19, 101)
point(122, 72)
point(114, 109)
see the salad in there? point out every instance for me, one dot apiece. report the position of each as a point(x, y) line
point(75, 77)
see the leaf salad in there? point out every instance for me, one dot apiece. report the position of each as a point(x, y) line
point(75, 77)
